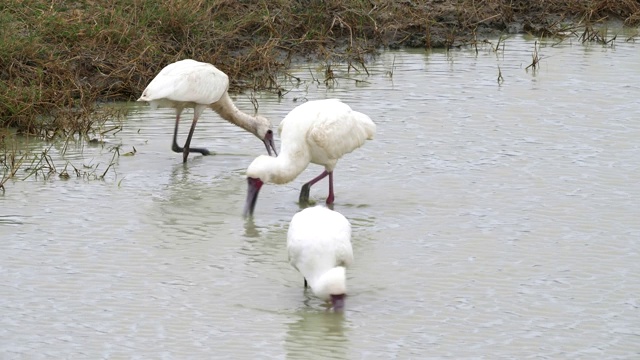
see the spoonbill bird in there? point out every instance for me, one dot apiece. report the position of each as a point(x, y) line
point(319, 246)
point(320, 132)
point(193, 84)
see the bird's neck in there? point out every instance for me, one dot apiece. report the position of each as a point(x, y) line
point(286, 166)
point(228, 111)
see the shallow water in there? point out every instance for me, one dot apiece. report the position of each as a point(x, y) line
point(489, 220)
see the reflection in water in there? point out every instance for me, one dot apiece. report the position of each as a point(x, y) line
point(250, 229)
point(319, 334)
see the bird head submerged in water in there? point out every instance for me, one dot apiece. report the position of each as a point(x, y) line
point(332, 286)
point(319, 247)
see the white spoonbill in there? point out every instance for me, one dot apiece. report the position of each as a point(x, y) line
point(320, 132)
point(319, 246)
point(193, 84)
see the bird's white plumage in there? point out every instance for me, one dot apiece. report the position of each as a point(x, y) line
point(193, 84)
point(320, 132)
point(328, 128)
point(186, 81)
point(319, 247)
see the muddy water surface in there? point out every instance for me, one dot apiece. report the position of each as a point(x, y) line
point(489, 220)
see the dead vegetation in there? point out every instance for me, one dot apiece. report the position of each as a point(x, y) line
point(62, 60)
point(22, 164)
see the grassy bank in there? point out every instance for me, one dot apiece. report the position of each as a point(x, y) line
point(60, 59)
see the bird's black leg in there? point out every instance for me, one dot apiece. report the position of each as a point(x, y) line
point(175, 146)
point(187, 149)
point(304, 192)
point(305, 283)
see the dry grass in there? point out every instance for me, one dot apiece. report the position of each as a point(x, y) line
point(60, 60)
